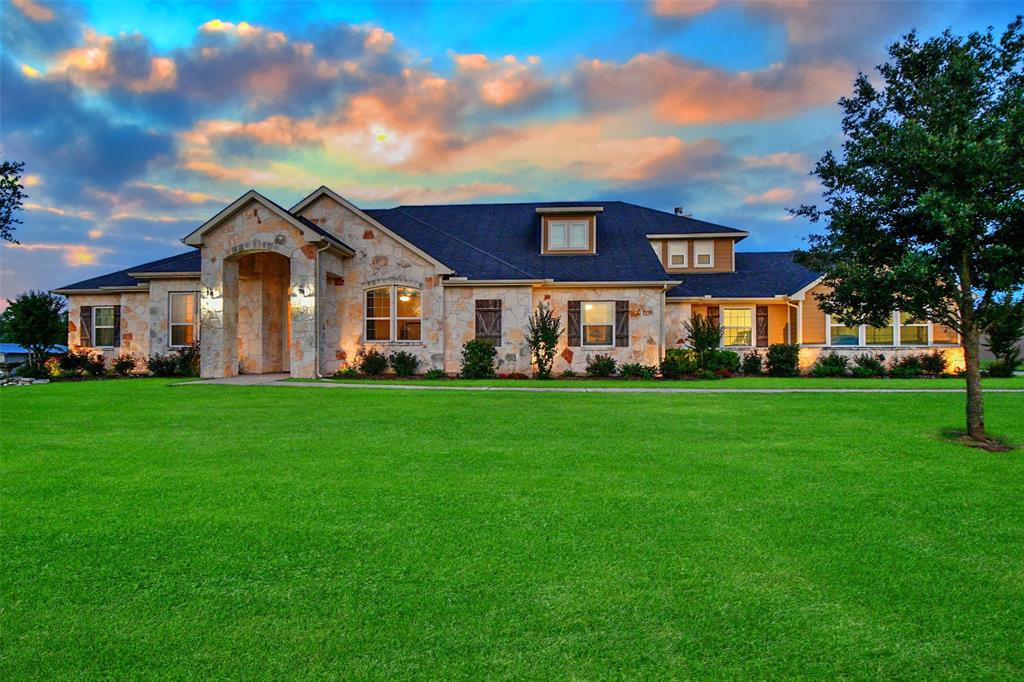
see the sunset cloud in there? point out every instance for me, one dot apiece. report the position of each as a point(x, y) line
point(33, 10)
point(775, 195)
point(71, 254)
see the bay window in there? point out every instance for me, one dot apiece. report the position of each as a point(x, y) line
point(393, 313)
point(598, 323)
point(737, 327)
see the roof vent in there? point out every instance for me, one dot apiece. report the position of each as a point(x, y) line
point(679, 210)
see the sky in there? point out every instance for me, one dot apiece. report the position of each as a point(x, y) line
point(137, 121)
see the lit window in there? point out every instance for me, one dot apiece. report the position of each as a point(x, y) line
point(677, 254)
point(880, 336)
point(568, 235)
point(599, 324)
point(738, 326)
point(913, 332)
point(704, 254)
point(103, 326)
point(183, 318)
point(842, 335)
point(393, 308)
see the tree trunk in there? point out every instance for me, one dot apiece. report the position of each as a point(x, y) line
point(975, 407)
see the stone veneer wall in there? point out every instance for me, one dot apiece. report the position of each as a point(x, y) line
point(513, 355)
point(134, 321)
point(159, 311)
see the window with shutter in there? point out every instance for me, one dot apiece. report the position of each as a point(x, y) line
point(103, 326)
point(488, 319)
point(573, 329)
point(622, 324)
point(762, 326)
point(85, 326)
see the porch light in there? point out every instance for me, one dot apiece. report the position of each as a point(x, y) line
point(405, 298)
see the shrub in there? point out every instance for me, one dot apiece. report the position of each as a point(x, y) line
point(371, 361)
point(162, 365)
point(907, 367)
point(704, 335)
point(478, 359)
point(124, 364)
point(542, 332)
point(601, 366)
point(866, 366)
point(753, 364)
point(52, 366)
point(435, 374)
point(831, 365)
point(934, 363)
point(188, 361)
point(679, 362)
point(404, 363)
point(706, 375)
point(722, 361)
point(96, 366)
point(783, 360)
point(1001, 368)
point(346, 372)
point(636, 370)
point(568, 374)
point(74, 361)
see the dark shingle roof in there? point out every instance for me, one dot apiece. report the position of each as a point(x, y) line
point(183, 262)
point(502, 241)
point(758, 275)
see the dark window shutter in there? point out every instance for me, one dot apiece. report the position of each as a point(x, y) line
point(762, 326)
point(622, 324)
point(488, 319)
point(715, 315)
point(575, 320)
point(85, 326)
point(117, 326)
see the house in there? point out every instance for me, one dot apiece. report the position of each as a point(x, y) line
point(12, 355)
point(302, 290)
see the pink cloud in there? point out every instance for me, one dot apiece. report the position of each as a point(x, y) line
point(682, 8)
point(798, 163)
point(34, 10)
point(775, 195)
point(72, 254)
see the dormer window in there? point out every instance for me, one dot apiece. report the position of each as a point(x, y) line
point(677, 254)
point(704, 254)
point(568, 234)
point(568, 230)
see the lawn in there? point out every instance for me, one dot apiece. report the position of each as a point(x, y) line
point(262, 532)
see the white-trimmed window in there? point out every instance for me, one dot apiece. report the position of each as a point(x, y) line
point(103, 326)
point(704, 254)
point(913, 332)
point(182, 318)
point(677, 254)
point(840, 334)
point(568, 235)
point(880, 336)
point(393, 313)
point(598, 318)
point(737, 327)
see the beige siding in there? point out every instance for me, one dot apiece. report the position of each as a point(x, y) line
point(723, 254)
point(813, 317)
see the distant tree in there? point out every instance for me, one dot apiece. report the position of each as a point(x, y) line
point(12, 195)
point(925, 206)
point(542, 332)
point(1005, 329)
point(36, 321)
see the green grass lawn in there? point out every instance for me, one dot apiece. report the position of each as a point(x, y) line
point(261, 532)
point(736, 382)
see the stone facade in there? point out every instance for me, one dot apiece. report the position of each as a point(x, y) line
point(134, 321)
point(160, 291)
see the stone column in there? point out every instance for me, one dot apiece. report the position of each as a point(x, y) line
point(218, 317)
point(301, 297)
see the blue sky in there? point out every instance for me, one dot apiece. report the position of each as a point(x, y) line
point(139, 120)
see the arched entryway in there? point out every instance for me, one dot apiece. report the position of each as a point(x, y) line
point(263, 320)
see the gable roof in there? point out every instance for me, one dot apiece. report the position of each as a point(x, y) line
point(306, 227)
point(188, 262)
point(758, 275)
point(502, 241)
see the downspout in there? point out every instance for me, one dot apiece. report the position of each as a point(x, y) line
point(316, 310)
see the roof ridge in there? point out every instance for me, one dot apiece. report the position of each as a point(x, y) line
point(462, 241)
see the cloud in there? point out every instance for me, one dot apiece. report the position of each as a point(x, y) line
point(682, 8)
point(124, 62)
point(684, 92)
point(798, 163)
point(63, 212)
point(504, 82)
point(775, 195)
point(33, 10)
point(72, 254)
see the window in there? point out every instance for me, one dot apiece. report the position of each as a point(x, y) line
point(880, 336)
point(488, 319)
point(704, 254)
point(677, 254)
point(183, 318)
point(913, 332)
point(842, 335)
point(103, 326)
point(393, 313)
point(568, 235)
point(738, 327)
point(599, 324)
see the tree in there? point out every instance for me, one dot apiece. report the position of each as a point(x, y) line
point(704, 336)
point(1005, 329)
point(12, 195)
point(925, 207)
point(36, 320)
point(542, 332)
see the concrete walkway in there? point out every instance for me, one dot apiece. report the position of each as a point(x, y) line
point(276, 380)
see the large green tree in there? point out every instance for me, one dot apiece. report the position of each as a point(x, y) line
point(36, 321)
point(925, 204)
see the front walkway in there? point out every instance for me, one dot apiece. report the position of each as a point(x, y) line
point(279, 380)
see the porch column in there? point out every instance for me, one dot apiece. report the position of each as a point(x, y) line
point(302, 291)
point(218, 318)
